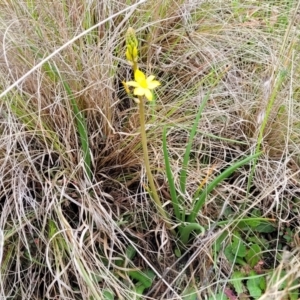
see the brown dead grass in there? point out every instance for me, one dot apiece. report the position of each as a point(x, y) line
point(64, 234)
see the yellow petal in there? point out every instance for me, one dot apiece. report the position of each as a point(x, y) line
point(153, 84)
point(150, 78)
point(139, 76)
point(139, 91)
point(148, 94)
point(132, 83)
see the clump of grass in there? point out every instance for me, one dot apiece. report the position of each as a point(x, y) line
point(76, 218)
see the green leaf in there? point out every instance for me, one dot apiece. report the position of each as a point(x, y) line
point(225, 174)
point(139, 289)
point(96, 278)
point(189, 294)
point(256, 212)
point(245, 224)
point(186, 157)
point(263, 283)
point(108, 295)
point(174, 197)
point(275, 277)
point(220, 240)
point(82, 129)
point(238, 247)
point(183, 172)
point(145, 278)
point(229, 254)
point(294, 295)
point(186, 229)
point(258, 240)
point(177, 252)
point(253, 255)
point(219, 296)
point(237, 278)
point(265, 228)
point(253, 285)
point(130, 252)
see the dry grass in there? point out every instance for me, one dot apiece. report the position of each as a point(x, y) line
point(64, 236)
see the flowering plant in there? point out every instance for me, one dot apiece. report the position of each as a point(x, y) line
point(143, 85)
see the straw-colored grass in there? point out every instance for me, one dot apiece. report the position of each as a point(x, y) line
point(76, 217)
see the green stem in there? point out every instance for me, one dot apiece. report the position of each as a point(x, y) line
point(147, 165)
point(134, 67)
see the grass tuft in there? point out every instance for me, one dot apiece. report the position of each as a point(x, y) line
point(76, 216)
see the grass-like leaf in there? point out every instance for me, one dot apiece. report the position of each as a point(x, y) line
point(170, 177)
point(225, 174)
point(186, 158)
point(82, 129)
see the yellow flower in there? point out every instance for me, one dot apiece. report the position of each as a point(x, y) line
point(143, 85)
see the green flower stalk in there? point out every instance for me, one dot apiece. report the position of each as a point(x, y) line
point(153, 190)
point(143, 86)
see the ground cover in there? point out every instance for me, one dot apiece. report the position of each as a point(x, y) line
point(79, 216)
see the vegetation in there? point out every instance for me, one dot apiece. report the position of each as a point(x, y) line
point(149, 150)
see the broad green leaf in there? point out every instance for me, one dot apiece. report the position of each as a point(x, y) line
point(139, 289)
point(265, 228)
point(253, 255)
point(229, 254)
point(253, 285)
point(263, 283)
point(238, 247)
point(259, 240)
point(237, 283)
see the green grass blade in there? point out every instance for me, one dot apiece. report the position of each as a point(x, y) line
point(172, 187)
point(200, 201)
point(183, 173)
point(54, 74)
point(82, 129)
point(280, 80)
point(185, 231)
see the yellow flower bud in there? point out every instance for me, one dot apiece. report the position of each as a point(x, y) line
point(132, 46)
point(128, 55)
point(135, 54)
point(131, 38)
